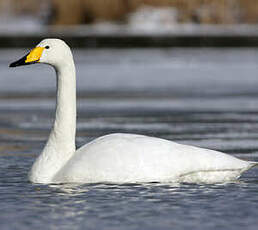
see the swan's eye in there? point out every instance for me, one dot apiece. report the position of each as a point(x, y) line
point(47, 47)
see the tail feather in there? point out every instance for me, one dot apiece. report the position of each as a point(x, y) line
point(252, 164)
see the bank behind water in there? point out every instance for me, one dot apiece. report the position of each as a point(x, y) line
point(117, 36)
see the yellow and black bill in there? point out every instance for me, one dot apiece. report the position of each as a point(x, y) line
point(31, 58)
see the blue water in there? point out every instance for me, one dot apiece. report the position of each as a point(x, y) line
point(204, 97)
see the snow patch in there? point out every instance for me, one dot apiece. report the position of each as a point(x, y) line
point(153, 19)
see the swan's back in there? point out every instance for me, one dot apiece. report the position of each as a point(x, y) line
point(136, 158)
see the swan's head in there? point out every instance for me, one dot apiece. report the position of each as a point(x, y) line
point(54, 52)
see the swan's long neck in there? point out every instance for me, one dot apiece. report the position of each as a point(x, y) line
point(61, 143)
point(63, 131)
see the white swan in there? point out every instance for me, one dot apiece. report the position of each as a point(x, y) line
point(118, 158)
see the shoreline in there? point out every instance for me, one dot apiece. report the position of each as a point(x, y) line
point(117, 36)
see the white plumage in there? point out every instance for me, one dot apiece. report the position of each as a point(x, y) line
point(136, 158)
point(117, 158)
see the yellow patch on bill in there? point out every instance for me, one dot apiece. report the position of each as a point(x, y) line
point(34, 55)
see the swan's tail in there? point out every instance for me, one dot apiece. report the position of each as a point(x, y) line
point(252, 164)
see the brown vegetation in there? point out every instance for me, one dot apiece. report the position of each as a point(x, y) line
point(199, 11)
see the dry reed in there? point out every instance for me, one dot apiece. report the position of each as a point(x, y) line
point(199, 11)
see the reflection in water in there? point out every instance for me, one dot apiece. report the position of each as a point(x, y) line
point(69, 189)
point(130, 205)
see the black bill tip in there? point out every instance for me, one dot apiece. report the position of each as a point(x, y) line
point(21, 62)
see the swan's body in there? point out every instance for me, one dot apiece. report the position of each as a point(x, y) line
point(116, 158)
point(136, 158)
